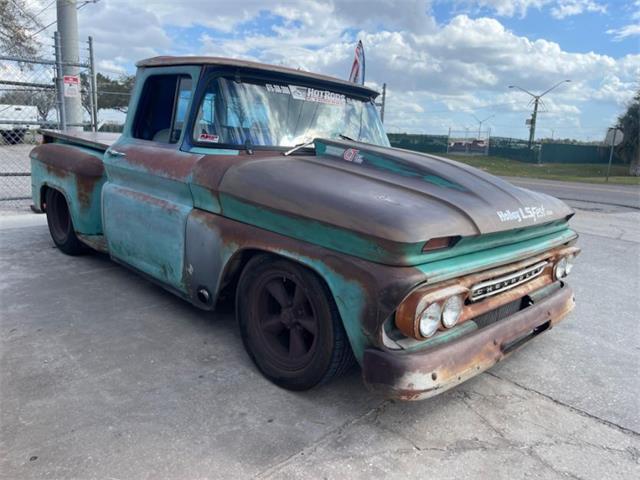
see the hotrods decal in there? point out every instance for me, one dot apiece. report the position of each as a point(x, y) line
point(309, 94)
point(526, 213)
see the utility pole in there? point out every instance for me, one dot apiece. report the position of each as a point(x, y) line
point(67, 18)
point(93, 85)
point(536, 101)
point(534, 116)
point(382, 103)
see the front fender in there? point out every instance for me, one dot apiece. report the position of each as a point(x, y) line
point(365, 293)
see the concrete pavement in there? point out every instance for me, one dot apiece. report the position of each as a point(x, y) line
point(104, 375)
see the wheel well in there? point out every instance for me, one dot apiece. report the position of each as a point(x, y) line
point(231, 275)
point(43, 196)
point(235, 267)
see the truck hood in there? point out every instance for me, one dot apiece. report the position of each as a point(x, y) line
point(388, 194)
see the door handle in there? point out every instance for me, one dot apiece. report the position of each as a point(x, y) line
point(115, 153)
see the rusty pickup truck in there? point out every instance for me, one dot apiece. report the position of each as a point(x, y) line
point(278, 188)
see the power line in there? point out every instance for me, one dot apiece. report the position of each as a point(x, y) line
point(46, 8)
point(56, 20)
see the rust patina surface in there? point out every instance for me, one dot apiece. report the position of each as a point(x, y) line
point(190, 215)
point(418, 375)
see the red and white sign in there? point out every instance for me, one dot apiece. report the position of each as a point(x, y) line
point(208, 137)
point(352, 155)
point(71, 85)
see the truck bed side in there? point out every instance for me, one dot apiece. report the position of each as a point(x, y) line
point(72, 164)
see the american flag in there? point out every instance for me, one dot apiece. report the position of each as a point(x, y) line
point(357, 69)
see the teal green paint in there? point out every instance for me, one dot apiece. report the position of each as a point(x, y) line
point(146, 234)
point(492, 240)
point(349, 298)
point(391, 165)
point(348, 294)
point(351, 243)
point(204, 199)
point(86, 219)
point(145, 212)
point(477, 261)
point(302, 229)
point(213, 151)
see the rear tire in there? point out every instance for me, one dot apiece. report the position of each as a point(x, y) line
point(61, 224)
point(290, 325)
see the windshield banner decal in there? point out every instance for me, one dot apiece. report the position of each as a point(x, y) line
point(318, 96)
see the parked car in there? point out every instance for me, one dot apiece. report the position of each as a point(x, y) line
point(279, 187)
point(16, 121)
point(478, 146)
point(457, 147)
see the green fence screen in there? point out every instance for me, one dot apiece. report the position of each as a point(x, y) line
point(512, 148)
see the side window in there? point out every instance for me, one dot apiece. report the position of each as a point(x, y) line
point(162, 108)
point(204, 128)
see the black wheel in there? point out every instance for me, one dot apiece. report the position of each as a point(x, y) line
point(290, 325)
point(60, 223)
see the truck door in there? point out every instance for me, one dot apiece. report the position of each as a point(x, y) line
point(146, 200)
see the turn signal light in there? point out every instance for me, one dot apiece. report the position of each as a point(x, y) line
point(439, 243)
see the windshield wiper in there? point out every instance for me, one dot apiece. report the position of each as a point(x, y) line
point(298, 147)
point(344, 137)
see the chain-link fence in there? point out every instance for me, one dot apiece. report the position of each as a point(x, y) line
point(32, 94)
point(468, 142)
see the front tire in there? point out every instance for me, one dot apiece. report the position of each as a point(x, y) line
point(290, 325)
point(61, 224)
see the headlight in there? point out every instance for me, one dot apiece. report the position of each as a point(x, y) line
point(560, 270)
point(451, 311)
point(430, 320)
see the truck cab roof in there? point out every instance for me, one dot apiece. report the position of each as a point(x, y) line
point(167, 61)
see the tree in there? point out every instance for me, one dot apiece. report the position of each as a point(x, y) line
point(17, 27)
point(112, 93)
point(629, 123)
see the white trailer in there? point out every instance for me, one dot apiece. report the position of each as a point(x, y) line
point(16, 121)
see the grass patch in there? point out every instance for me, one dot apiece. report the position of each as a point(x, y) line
point(569, 172)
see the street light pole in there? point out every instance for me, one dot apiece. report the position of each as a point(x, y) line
point(480, 122)
point(536, 101)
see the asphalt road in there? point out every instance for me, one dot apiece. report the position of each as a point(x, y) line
point(588, 196)
point(104, 375)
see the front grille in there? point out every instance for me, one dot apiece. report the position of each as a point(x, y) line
point(498, 285)
point(499, 313)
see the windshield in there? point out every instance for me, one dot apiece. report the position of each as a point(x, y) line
point(236, 112)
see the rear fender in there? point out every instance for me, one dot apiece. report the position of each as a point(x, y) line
point(78, 174)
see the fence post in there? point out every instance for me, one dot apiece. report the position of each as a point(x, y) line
point(94, 86)
point(60, 82)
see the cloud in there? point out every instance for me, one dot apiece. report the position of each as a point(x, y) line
point(559, 8)
point(621, 33)
point(630, 30)
point(567, 8)
point(435, 72)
